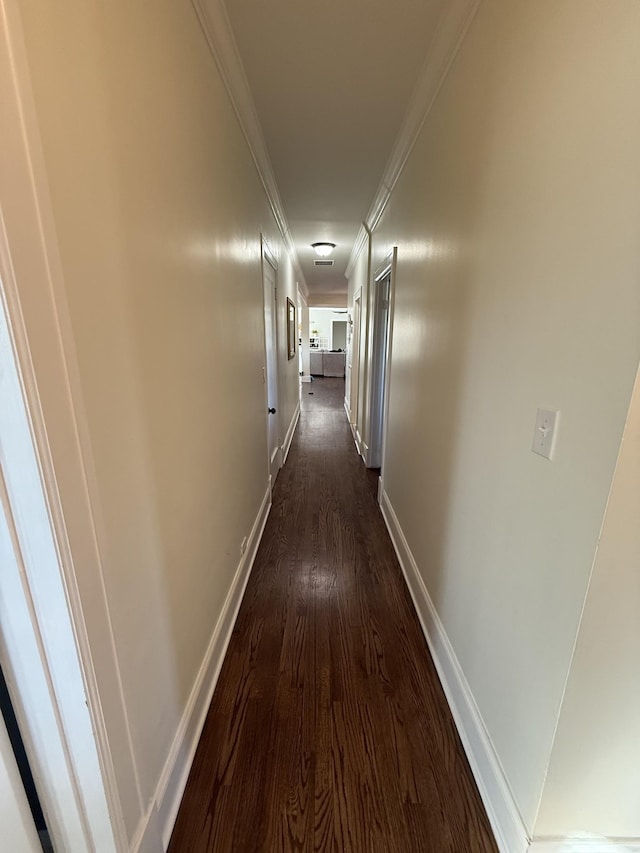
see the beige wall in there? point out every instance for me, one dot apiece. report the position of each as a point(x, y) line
point(594, 775)
point(517, 221)
point(158, 211)
point(321, 319)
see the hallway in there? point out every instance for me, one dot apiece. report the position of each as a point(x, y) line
point(328, 729)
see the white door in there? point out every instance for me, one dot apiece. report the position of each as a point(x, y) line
point(18, 829)
point(271, 367)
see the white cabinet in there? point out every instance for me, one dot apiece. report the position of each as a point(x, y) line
point(333, 363)
point(327, 363)
point(316, 367)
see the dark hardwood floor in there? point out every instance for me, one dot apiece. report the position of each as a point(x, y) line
point(328, 729)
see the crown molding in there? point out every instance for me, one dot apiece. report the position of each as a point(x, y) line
point(214, 21)
point(452, 26)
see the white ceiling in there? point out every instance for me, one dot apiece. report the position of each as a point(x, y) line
point(331, 83)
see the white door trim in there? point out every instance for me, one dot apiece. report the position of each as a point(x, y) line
point(393, 261)
point(378, 353)
point(43, 348)
point(37, 642)
point(353, 355)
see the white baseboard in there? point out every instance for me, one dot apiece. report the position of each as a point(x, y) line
point(586, 844)
point(508, 826)
point(161, 817)
point(290, 432)
point(348, 412)
point(361, 446)
point(148, 838)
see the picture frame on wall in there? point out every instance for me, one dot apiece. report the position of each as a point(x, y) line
point(291, 328)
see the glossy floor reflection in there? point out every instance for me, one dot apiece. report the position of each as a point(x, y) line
point(328, 730)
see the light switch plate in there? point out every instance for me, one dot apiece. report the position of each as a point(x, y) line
point(544, 437)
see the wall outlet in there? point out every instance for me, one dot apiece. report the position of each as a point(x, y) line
point(544, 436)
point(243, 546)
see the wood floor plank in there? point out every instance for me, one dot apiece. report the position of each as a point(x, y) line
point(328, 730)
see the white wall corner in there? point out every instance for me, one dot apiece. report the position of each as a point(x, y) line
point(174, 776)
point(506, 822)
point(286, 447)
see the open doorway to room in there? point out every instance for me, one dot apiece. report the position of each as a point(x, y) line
point(381, 308)
point(353, 368)
point(339, 335)
point(327, 342)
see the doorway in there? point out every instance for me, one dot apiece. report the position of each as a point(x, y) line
point(271, 362)
point(380, 351)
point(353, 361)
point(339, 335)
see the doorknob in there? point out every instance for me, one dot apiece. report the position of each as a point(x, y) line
point(272, 411)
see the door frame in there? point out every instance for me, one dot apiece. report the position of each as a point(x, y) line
point(380, 329)
point(51, 431)
point(37, 639)
point(267, 256)
point(354, 365)
point(387, 268)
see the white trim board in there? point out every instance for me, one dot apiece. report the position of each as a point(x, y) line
point(40, 656)
point(585, 844)
point(508, 826)
point(42, 338)
point(354, 435)
point(286, 447)
point(452, 26)
point(213, 18)
point(163, 811)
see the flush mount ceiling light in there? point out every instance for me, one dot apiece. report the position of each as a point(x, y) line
point(323, 249)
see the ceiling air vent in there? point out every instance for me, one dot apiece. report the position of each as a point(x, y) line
point(324, 262)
